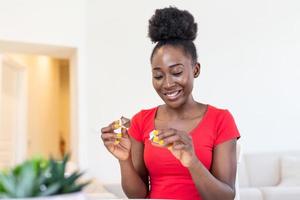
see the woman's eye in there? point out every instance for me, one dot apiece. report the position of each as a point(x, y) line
point(177, 73)
point(157, 77)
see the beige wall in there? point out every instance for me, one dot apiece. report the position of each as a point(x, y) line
point(48, 104)
point(64, 101)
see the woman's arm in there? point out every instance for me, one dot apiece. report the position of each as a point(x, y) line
point(220, 182)
point(217, 184)
point(134, 173)
point(129, 152)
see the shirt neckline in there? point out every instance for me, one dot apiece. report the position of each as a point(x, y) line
point(194, 129)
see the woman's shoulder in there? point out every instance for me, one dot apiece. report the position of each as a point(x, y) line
point(217, 112)
point(143, 118)
point(224, 124)
point(216, 109)
point(146, 113)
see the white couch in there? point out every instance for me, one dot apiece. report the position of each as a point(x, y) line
point(96, 190)
point(261, 176)
point(269, 176)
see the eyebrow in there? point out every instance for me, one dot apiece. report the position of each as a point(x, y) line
point(174, 65)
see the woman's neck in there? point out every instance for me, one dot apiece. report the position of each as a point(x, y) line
point(189, 110)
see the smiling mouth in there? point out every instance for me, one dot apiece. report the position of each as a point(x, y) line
point(171, 96)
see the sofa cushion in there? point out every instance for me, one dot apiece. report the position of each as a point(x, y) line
point(116, 189)
point(263, 169)
point(290, 171)
point(96, 190)
point(280, 193)
point(250, 194)
point(243, 179)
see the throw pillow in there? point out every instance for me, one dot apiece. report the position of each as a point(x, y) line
point(290, 171)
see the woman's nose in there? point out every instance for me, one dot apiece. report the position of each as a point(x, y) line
point(169, 82)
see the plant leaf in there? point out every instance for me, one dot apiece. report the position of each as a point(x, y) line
point(9, 184)
point(75, 188)
point(52, 189)
point(39, 177)
point(72, 178)
point(25, 181)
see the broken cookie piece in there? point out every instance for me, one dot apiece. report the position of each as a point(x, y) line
point(154, 138)
point(118, 126)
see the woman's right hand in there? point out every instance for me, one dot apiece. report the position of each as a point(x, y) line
point(122, 149)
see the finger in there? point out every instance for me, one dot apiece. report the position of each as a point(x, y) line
point(106, 129)
point(124, 132)
point(106, 136)
point(109, 128)
point(122, 146)
point(109, 139)
point(165, 133)
point(179, 146)
point(172, 139)
point(109, 143)
point(185, 137)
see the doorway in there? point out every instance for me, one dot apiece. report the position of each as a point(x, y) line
point(37, 103)
point(13, 110)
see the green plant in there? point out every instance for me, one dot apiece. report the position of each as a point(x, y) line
point(39, 177)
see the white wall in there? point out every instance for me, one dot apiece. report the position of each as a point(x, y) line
point(248, 51)
point(249, 54)
point(59, 23)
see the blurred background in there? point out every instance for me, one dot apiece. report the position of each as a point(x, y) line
point(68, 68)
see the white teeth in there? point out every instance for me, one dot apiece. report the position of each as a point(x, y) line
point(173, 94)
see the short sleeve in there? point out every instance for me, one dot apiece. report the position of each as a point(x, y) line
point(135, 127)
point(226, 128)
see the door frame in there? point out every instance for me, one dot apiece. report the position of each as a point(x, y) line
point(20, 135)
point(60, 52)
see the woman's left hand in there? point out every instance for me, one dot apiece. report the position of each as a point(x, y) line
point(180, 144)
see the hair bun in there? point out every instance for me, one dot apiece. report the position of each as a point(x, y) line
point(172, 24)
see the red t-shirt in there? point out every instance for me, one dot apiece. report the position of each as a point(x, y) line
point(169, 179)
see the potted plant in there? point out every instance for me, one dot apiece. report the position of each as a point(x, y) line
point(41, 179)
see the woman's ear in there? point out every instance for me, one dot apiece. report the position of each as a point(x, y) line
point(196, 70)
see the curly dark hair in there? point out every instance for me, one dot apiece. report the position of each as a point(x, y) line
point(171, 26)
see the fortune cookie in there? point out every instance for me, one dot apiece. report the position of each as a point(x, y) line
point(118, 126)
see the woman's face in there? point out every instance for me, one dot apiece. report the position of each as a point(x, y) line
point(173, 75)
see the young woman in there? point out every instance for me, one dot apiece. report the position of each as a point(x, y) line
point(197, 158)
